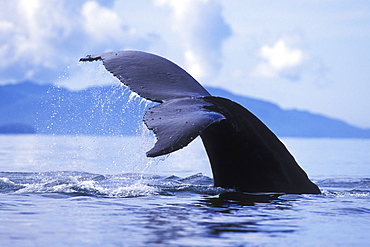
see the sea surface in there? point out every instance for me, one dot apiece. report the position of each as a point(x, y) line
point(103, 191)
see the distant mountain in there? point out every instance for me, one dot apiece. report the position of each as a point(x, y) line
point(15, 128)
point(56, 110)
point(295, 123)
point(113, 110)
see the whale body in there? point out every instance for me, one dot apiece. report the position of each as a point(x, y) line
point(244, 154)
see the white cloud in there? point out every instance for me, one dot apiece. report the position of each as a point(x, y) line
point(41, 38)
point(100, 21)
point(27, 33)
point(202, 30)
point(84, 74)
point(103, 24)
point(280, 60)
point(33, 30)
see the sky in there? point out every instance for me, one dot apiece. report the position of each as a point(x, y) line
point(309, 55)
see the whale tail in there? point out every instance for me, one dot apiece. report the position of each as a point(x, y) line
point(244, 154)
point(181, 117)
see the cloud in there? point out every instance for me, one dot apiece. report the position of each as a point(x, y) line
point(105, 26)
point(100, 22)
point(84, 75)
point(41, 38)
point(280, 60)
point(28, 36)
point(202, 30)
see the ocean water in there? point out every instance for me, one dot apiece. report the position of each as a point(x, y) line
point(103, 191)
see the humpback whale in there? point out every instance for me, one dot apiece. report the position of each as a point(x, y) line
point(244, 153)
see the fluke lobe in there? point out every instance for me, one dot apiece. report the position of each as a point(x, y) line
point(244, 154)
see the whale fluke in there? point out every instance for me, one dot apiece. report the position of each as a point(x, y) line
point(244, 154)
point(177, 122)
point(152, 77)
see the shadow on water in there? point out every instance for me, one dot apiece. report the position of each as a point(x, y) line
point(225, 200)
point(220, 217)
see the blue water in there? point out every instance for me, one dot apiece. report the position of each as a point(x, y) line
point(103, 191)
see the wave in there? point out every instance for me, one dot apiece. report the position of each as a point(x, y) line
point(74, 183)
point(345, 187)
point(89, 184)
